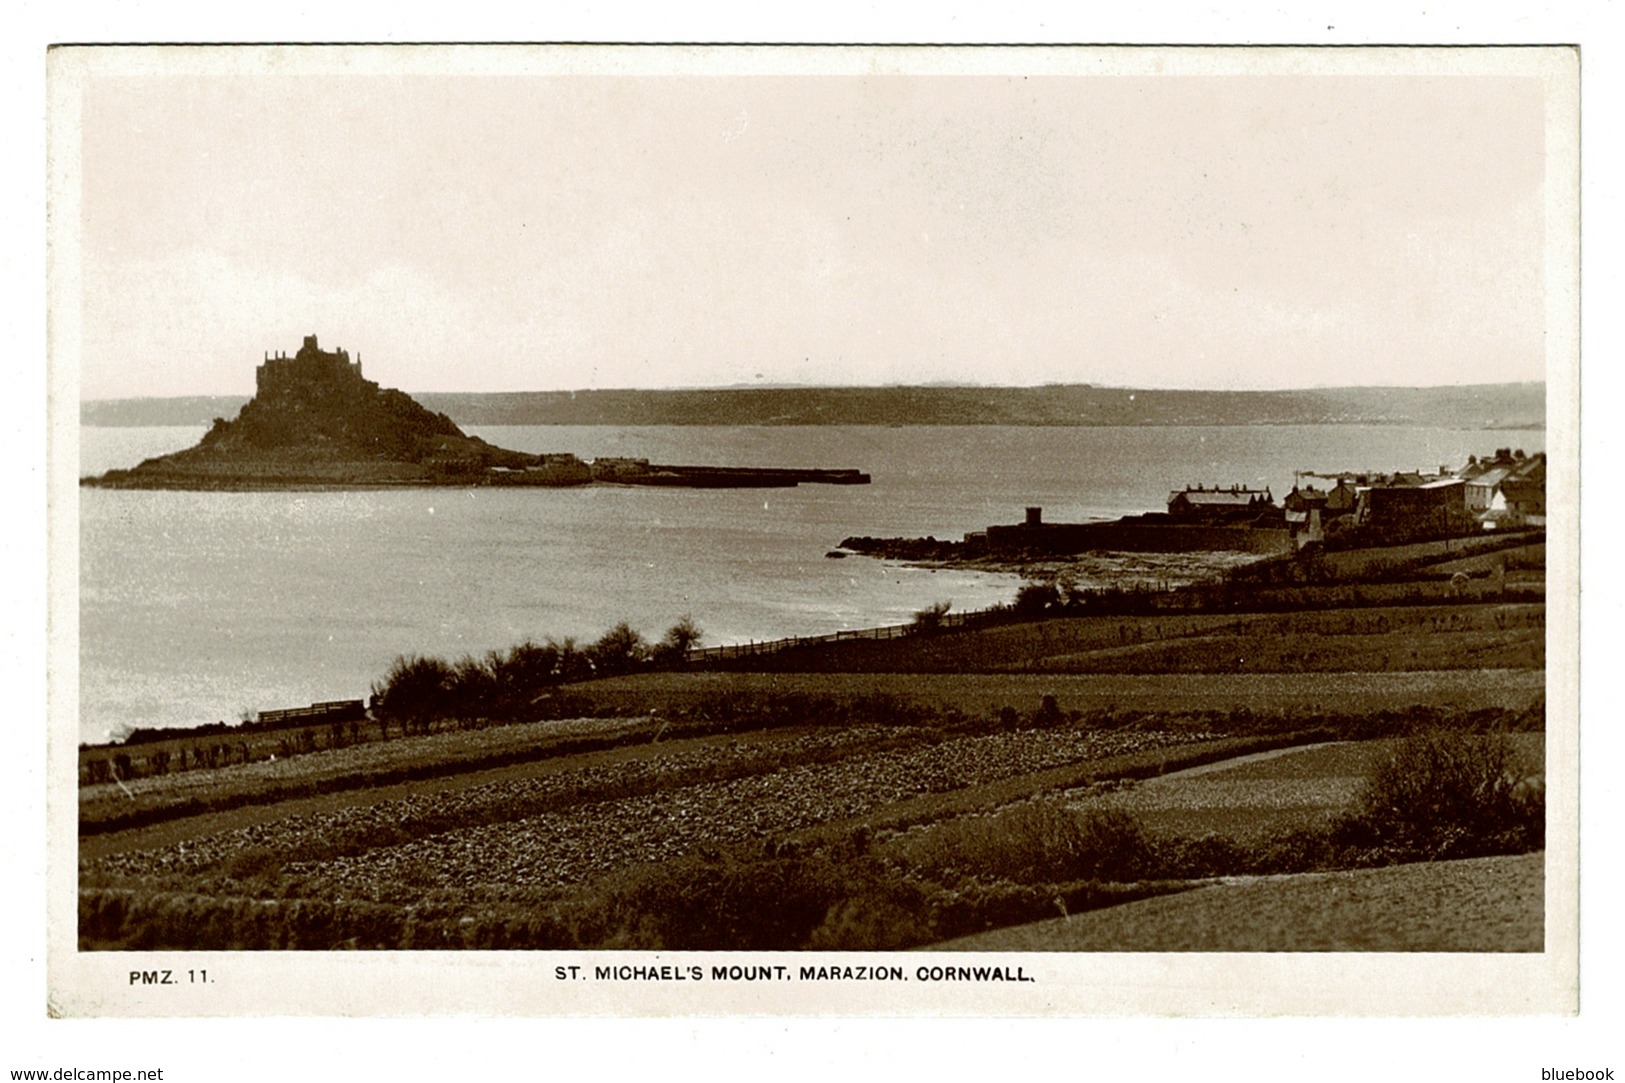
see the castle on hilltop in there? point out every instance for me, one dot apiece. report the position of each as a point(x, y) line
point(311, 365)
point(315, 422)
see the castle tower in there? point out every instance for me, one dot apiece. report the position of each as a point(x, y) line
point(311, 367)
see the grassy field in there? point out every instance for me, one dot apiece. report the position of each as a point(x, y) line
point(1251, 797)
point(1313, 638)
point(977, 693)
point(1491, 904)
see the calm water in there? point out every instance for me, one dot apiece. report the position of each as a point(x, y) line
point(200, 606)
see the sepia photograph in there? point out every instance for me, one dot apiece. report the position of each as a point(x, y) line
point(766, 529)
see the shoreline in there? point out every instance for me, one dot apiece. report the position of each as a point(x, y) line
point(1120, 566)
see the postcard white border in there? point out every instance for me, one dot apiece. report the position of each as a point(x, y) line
point(408, 984)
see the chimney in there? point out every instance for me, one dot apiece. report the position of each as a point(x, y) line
point(1035, 516)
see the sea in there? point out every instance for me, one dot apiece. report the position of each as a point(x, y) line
point(201, 607)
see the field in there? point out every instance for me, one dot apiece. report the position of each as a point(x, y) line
point(1322, 633)
point(1303, 694)
point(1479, 904)
point(950, 784)
point(872, 834)
point(559, 828)
point(122, 804)
point(1250, 797)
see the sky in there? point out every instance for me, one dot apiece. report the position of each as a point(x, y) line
point(534, 230)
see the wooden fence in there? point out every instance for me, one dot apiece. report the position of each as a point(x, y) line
point(1162, 597)
point(752, 649)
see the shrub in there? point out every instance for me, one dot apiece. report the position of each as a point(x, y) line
point(679, 639)
point(1212, 854)
point(929, 619)
point(621, 650)
point(473, 690)
point(256, 864)
point(1445, 793)
point(527, 667)
point(887, 919)
point(1037, 842)
point(1049, 713)
point(1205, 855)
point(720, 903)
point(1035, 598)
point(415, 691)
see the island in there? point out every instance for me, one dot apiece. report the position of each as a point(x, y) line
point(316, 423)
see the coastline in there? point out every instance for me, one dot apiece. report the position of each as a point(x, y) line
point(654, 476)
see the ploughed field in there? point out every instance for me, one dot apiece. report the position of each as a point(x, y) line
point(564, 825)
point(151, 798)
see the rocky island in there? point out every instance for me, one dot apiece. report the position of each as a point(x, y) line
point(316, 422)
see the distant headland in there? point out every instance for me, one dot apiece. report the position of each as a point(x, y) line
point(1469, 406)
point(316, 422)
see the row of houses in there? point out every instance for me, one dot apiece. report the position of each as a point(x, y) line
point(1509, 489)
point(1506, 491)
point(1199, 503)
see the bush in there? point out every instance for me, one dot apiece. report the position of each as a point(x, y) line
point(1034, 598)
point(679, 639)
point(621, 650)
point(1038, 842)
point(720, 903)
point(1444, 794)
point(929, 619)
point(527, 671)
point(876, 920)
point(473, 691)
point(1049, 714)
point(415, 691)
